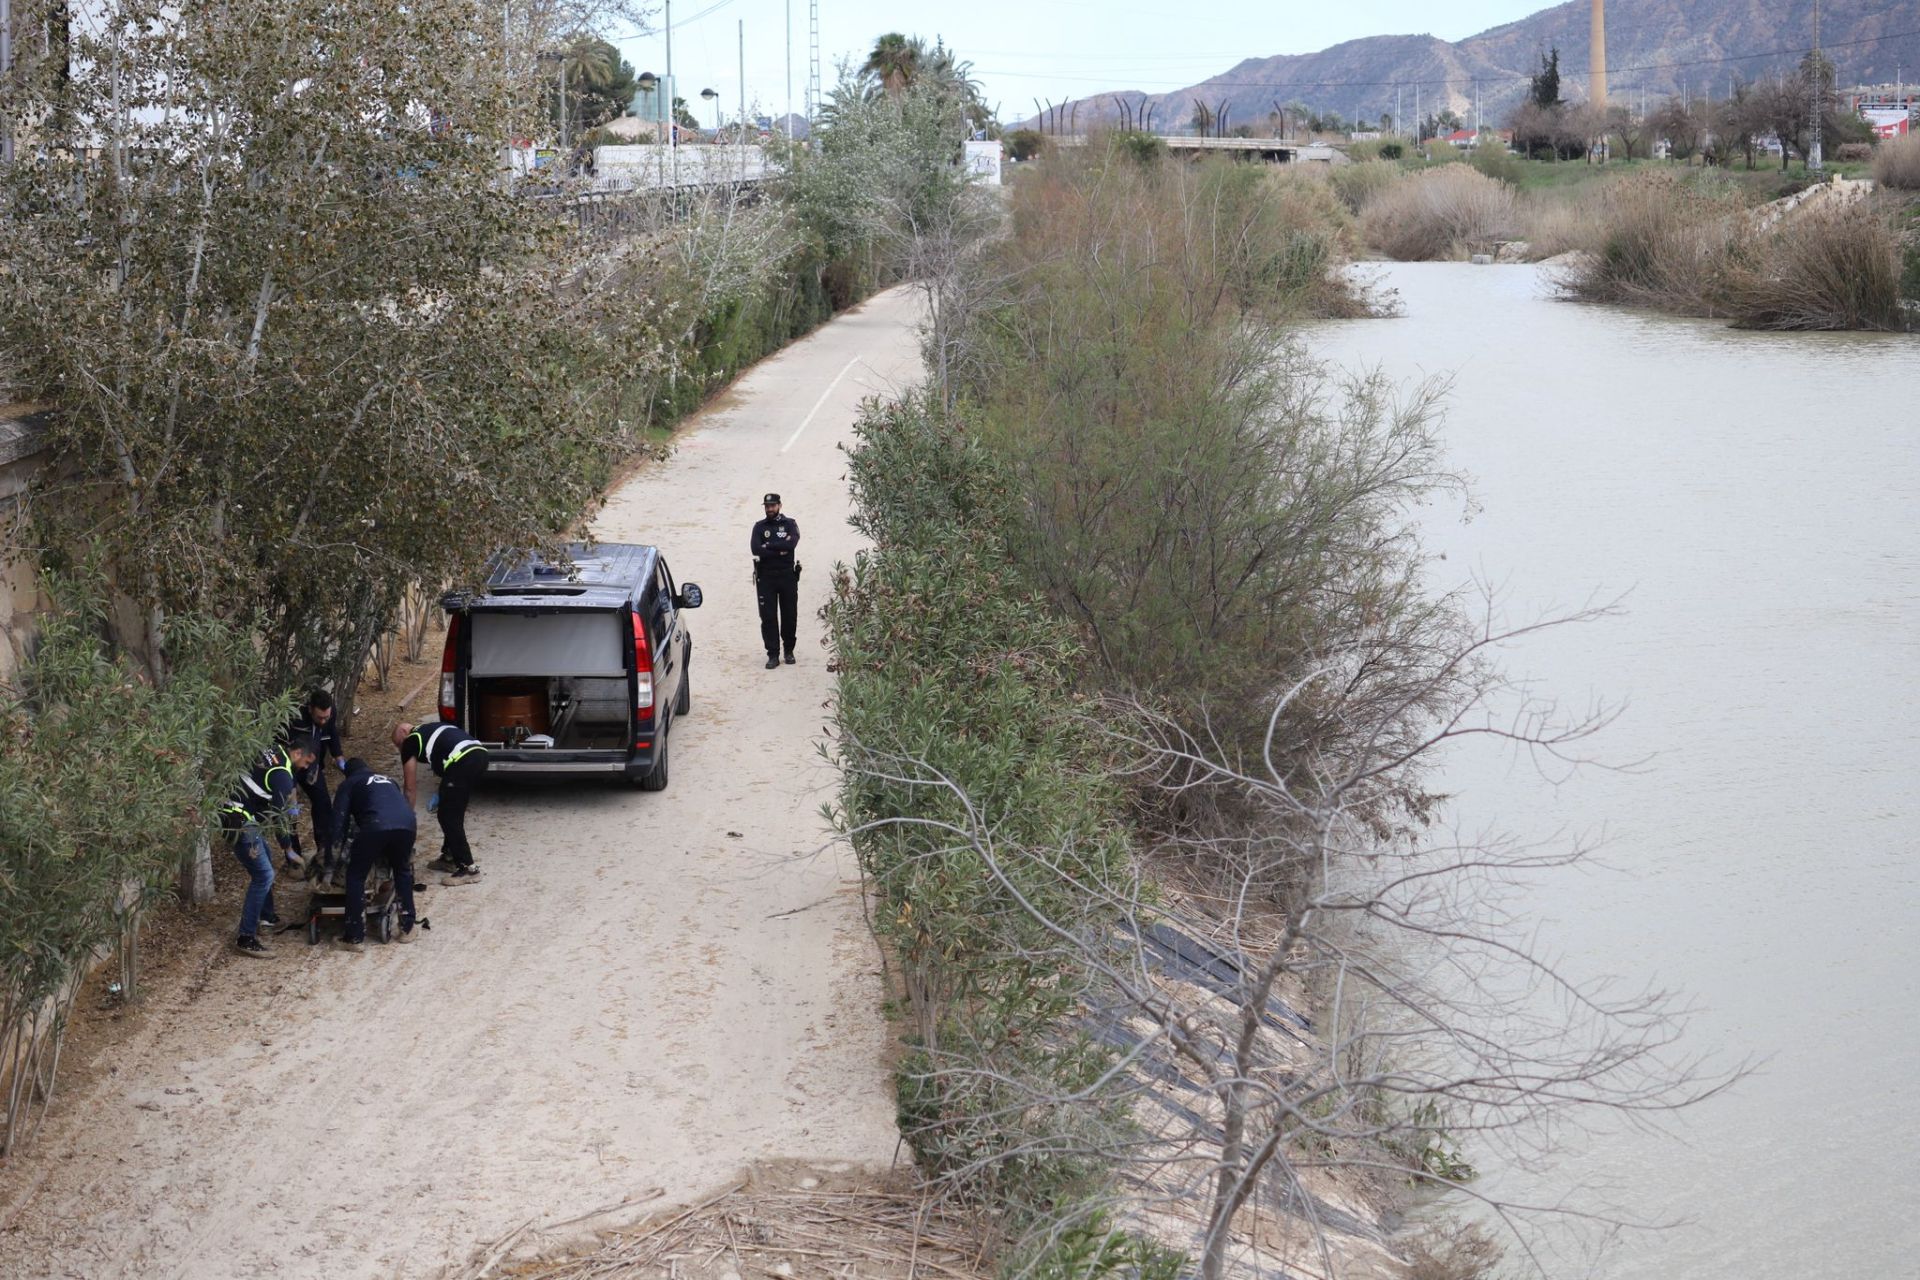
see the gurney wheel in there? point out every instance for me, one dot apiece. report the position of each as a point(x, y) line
point(313, 930)
point(386, 926)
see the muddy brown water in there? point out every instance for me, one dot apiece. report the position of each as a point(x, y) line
point(1756, 499)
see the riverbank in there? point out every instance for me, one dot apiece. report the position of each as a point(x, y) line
point(1756, 529)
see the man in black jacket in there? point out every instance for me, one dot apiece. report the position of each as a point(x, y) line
point(776, 579)
point(383, 832)
point(316, 720)
point(460, 760)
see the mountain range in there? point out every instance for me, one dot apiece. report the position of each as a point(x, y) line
point(1654, 48)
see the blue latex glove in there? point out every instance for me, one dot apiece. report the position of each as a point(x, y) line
point(433, 803)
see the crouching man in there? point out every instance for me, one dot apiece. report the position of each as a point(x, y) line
point(384, 828)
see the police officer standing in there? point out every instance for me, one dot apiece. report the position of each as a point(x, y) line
point(776, 579)
point(459, 759)
point(383, 832)
point(316, 720)
point(261, 799)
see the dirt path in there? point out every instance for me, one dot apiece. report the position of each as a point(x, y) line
point(645, 991)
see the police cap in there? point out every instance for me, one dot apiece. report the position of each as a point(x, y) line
point(771, 500)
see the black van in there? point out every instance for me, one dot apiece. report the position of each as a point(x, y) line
point(575, 667)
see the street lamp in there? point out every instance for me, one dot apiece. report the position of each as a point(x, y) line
point(713, 97)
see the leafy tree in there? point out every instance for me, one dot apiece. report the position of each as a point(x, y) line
point(895, 60)
point(1024, 144)
point(104, 780)
point(1543, 87)
point(305, 346)
point(599, 83)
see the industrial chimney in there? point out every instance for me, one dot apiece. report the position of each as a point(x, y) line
point(1598, 91)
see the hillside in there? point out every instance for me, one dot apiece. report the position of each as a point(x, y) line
point(1652, 46)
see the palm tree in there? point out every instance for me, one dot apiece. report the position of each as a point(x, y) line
point(896, 60)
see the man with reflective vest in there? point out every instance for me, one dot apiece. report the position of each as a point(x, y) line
point(776, 578)
point(316, 720)
point(383, 832)
point(459, 760)
point(262, 798)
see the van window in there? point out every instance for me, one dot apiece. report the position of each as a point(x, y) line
point(549, 644)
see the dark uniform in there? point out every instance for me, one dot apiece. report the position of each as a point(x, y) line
point(459, 760)
point(776, 579)
point(261, 799)
point(313, 783)
point(383, 833)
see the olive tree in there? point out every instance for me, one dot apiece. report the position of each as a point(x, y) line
point(306, 341)
point(105, 779)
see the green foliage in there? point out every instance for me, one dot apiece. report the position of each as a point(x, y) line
point(1212, 509)
point(1492, 158)
point(306, 341)
point(1092, 1248)
point(1024, 144)
point(885, 168)
point(1543, 87)
point(1140, 147)
point(1392, 151)
point(1358, 184)
point(105, 782)
point(959, 732)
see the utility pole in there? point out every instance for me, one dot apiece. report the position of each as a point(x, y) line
point(740, 130)
point(673, 123)
point(789, 71)
point(6, 74)
point(813, 69)
point(1399, 122)
point(1476, 114)
point(1819, 86)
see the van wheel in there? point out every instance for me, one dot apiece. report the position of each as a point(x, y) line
point(684, 702)
point(656, 779)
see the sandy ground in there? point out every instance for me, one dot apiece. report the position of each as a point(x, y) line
point(645, 990)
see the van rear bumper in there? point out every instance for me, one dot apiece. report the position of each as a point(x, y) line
point(519, 763)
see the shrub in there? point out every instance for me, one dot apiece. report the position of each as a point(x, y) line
point(1896, 163)
point(1655, 240)
point(1023, 144)
point(1438, 214)
point(1358, 184)
point(953, 671)
point(1393, 151)
point(1854, 152)
point(1834, 267)
point(1497, 162)
point(1552, 224)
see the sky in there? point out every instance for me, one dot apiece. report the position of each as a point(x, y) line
point(1023, 49)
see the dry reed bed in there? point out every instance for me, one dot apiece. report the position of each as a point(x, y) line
point(1657, 241)
point(1896, 163)
point(751, 1230)
point(1446, 212)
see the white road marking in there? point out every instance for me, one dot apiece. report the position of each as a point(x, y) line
point(808, 420)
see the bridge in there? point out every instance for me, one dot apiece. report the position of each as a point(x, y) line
point(1266, 150)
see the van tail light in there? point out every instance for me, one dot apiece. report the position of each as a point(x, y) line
point(448, 657)
point(642, 670)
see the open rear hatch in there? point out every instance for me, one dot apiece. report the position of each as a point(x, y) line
point(551, 690)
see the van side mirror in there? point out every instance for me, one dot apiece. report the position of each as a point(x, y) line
point(689, 597)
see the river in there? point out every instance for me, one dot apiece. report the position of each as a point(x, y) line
point(1756, 500)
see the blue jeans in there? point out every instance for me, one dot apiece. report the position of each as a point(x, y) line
point(250, 847)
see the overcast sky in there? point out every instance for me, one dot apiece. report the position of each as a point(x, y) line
point(1023, 49)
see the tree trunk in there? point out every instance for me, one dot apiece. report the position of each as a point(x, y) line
point(196, 872)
